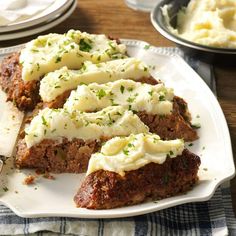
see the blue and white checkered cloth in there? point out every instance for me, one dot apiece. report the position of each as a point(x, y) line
point(213, 217)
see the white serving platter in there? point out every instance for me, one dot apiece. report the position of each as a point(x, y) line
point(55, 197)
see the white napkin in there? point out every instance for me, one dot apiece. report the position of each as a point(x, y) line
point(13, 11)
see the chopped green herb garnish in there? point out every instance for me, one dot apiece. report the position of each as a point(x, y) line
point(84, 46)
point(82, 83)
point(130, 99)
point(110, 44)
point(190, 145)
point(155, 140)
point(113, 103)
point(196, 126)
point(125, 151)
point(79, 55)
point(58, 59)
point(44, 122)
point(130, 145)
point(5, 189)
point(118, 113)
point(101, 93)
point(162, 98)
point(150, 92)
point(111, 93)
point(58, 86)
point(122, 88)
point(147, 46)
point(87, 123)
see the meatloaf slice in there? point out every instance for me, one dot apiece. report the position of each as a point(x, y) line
point(104, 189)
point(58, 157)
point(25, 95)
point(173, 126)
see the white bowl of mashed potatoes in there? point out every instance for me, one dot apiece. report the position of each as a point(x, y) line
point(200, 27)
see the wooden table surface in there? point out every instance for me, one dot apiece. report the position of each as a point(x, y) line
point(116, 19)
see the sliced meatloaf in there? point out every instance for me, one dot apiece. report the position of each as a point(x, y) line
point(175, 125)
point(57, 157)
point(104, 189)
point(23, 94)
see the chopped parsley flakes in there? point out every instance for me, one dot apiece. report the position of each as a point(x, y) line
point(147, 46)
point(58, 59)
point(101, 93)
point(44, 122)
point(122, 88)
point(84, 46)
point(5, 189)
point(126, 152)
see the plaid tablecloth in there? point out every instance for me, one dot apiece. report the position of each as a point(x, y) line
point(213, 217)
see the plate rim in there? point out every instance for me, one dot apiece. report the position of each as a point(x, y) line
point(94, 214)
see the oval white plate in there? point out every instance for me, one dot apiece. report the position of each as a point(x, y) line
point(55, 197)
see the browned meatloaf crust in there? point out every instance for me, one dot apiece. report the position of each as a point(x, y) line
point(173, 126)
point(104, 189)
point(50, 155)
point(25, 95)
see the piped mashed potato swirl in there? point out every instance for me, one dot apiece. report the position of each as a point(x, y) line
point(59, 123)
point(57, 82)
point(122, 154)
point(53, 51)
point(153, 99)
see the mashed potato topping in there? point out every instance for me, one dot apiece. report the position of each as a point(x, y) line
point(53, 51)
point(207, 22)
point(154, 99)
point(57, 82)
point(58, 123)
point(122, 154)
